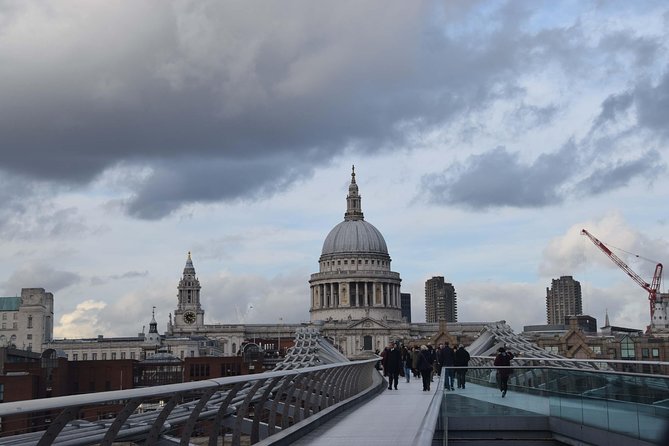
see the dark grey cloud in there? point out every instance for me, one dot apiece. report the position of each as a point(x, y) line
point(649, 101)
point(208, 180)
point(613, 107)
point(39, 276)
point(205, 93)
point(27, 211)
point(96, 280)
point(652, 102)
point(500, 178)
point(620, 173)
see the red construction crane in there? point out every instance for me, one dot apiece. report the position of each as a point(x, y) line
point(652, 288)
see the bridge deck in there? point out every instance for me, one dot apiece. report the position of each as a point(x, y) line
point(393, 417)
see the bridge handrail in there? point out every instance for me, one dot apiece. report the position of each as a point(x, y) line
point(578, 360)
point(425, 434)
point(292, 394)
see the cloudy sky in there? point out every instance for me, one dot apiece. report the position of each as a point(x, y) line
point(485, 135)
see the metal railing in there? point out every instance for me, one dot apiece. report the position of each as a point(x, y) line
point(249, 407)
point(589, 393)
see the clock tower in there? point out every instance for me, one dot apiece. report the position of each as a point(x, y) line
point(189, 314)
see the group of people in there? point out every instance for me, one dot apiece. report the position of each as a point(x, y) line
point(426, 361)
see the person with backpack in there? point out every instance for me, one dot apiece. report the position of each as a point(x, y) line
point(461, 360)
point(503, 360)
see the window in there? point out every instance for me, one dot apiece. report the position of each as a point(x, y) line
point(656, 353)
point(104, 356)
point(84, 356)
point(345, 262)
point(626, 348)
point(597, 349)
point(95, 356)
point(645, 353)
point(75, 357)
point(30, 322)
point(15, 325)
point(30, 346)
point(132, 355)
point(113, 355)
point(4, 316)
point(29, 336)
point(4, 326)
point(122, 355)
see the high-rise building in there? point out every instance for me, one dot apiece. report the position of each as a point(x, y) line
point(405, 302)
point(563, 299)
point(440, 300)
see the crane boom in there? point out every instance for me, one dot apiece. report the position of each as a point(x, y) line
point(652, 288)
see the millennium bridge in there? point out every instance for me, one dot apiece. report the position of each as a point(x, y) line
point(316, 396)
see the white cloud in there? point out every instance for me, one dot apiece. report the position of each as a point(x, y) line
point(87, 320)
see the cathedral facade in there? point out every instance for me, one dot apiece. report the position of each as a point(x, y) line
point(354, 298)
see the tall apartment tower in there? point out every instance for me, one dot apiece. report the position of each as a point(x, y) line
point(563, 299)
point(440, 300)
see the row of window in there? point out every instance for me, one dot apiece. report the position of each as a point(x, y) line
point(113, 355)
point(378, 262)
point(4, 315)
point(103, 356)
point(15, 324)
point(626, 351)
point(645, 353)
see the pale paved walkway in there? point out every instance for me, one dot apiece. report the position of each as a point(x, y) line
point(391, 418)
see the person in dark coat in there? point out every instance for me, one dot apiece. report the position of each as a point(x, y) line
point(425, 367)
point(384, 358)
point(447, 360)
point(414, 361)
point(407, 361)
point(461, 360)
point(393, 365)
point(503, 359)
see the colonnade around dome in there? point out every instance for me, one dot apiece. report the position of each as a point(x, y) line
point(356, 298)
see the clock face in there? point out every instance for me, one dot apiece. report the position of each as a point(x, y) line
point(189, 317)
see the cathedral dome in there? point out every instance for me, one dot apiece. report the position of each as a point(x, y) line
point(354, 236)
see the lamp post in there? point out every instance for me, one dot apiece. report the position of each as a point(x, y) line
point(279, 332)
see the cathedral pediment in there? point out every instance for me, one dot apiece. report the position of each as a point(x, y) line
point(368, 322)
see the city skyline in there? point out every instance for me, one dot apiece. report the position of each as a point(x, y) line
point(485, 136)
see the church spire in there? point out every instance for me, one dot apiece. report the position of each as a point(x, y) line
point(153, 326)
point(353, 201)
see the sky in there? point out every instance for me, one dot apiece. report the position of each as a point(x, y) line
point(485, 135)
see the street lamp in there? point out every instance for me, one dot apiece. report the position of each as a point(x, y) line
point(279, 331)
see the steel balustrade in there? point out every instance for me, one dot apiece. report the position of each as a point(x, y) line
point(251, 405)
point(313, 376)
